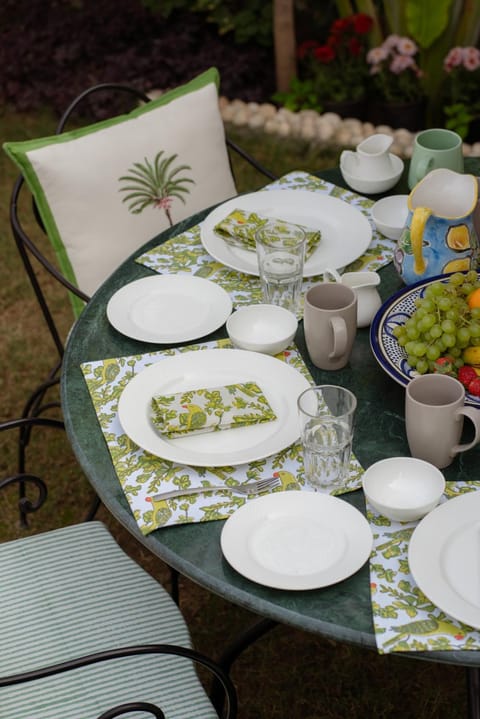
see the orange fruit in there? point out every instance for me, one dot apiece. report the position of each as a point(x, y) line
point(474, 298)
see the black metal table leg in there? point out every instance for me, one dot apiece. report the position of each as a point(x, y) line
point(473, 692)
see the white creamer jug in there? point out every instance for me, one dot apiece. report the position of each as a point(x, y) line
point(365, 286)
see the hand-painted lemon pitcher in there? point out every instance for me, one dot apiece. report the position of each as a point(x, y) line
point(439, 235)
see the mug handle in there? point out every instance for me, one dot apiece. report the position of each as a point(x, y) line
point(339, 328)
point(474, 415)
point(422, 168)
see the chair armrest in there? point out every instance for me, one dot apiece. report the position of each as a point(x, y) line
point(173, 649)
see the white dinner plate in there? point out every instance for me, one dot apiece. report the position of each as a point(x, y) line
point(169, 308)
point(346, 233)
point(280, 383)
point(444, 557)
point(296, 540)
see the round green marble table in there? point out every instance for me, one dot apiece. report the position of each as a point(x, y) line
point(342, 611)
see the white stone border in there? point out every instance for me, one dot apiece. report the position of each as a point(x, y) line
point(322, 129)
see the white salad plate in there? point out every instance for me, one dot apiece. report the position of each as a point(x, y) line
point(197, 369)
point(296, 540)
point(169, 308)
point(345, 232)
point(444, 557)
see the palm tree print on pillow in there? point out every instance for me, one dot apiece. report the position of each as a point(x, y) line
point(155, 184)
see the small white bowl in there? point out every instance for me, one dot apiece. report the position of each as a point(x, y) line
point(390, 215)
point(262, 328)
point(403, 488)
point(372, 185)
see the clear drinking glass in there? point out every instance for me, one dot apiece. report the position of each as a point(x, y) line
point(326, 418)
point(281, 254)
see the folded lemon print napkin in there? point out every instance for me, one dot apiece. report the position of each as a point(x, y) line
point(210, 409)
point(240, 226)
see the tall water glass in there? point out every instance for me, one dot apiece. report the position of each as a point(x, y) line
point(281, 254)
point(327, 420)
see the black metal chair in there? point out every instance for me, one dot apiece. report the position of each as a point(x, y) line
point(33, 257)
point(29, 250)
point(86, 632)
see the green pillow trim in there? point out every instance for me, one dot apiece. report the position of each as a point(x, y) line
point(18, 153)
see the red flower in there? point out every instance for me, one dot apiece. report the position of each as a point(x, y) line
point(304, 48)
point(340, 26)
point(324, 53)
point(355, 46)
point(362, 23)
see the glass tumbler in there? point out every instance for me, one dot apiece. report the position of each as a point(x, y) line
point(327, 420)
point(281, 254)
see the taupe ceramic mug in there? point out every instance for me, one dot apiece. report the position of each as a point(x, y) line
point(434, 415)
point(330, 324)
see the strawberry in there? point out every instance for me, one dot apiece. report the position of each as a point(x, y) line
point(466, 375)
point(444, 365)
point(474, 387)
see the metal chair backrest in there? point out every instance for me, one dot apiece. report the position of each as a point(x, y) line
point(29, 249)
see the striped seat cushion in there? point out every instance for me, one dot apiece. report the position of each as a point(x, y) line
point(71, 592)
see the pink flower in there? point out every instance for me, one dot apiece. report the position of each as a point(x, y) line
point(471, 58)
point(453, 59)
point(390, 43)
point(377, 55)
point(406, 46)
point(402, 62)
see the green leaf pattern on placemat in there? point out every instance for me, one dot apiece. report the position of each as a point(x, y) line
point(185, 253)
point(404, 618)
point(142, 474)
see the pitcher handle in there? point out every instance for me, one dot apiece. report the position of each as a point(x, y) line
point(329, 273)
point(417, 227)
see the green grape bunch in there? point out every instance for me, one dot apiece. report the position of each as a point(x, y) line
point(443, 324)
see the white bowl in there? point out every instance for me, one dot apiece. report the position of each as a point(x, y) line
point(390, 215)
point(372, 185)
point(262, 328)
point(403, 488)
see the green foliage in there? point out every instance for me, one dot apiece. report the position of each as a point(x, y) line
point(300, 96)
point(427, 20)
point(459, 117)
point(248, 20)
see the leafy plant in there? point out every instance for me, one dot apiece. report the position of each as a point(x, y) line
point(248, 20)
point(300, 96)
point(337, 69)
point(435, 25)
point(395, 74)
point(462, 88)
point(65, 48)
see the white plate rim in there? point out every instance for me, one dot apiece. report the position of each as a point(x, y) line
point(219, 301)
point(240, 525)
point(357, 230)
point(281, 383)
point(425, 549)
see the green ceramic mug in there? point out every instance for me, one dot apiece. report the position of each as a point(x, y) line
point(433, 149)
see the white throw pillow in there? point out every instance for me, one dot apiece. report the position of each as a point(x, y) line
point(104, 190)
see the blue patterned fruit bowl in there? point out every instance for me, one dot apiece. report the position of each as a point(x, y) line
point(391, 357)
